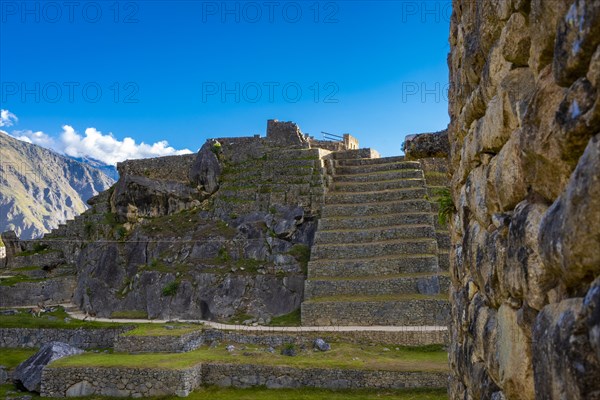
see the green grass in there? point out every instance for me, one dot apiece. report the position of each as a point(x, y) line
point(342, 356)
point(10, 358)
point(28, 268)
point(179, 329)
point(54, 320)
point(389, 297)
point(301, 253)
point(260, 393)
point(214, 393)
point(19, 278)
point(291, 319)
point(130, 314)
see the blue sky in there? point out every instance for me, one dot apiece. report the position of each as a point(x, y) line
point(185, 71)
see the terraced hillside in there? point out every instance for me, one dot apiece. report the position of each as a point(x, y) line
point(375, 256)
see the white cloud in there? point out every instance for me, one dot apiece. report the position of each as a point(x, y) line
point(39, 138)
point(7, 118)
point(108, 149)
point(94, 144)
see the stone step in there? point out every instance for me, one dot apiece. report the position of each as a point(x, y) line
point(398, 264)
point(380, 167)
point(444, 260)
point(374, 249)
point(378, 285)
point(376, 186)
point(443, 239)
point(377, 310)
point(381, 176)
point(374, 234)
point(376, 208)
point(370, 161)
point(373, 221)
point(357, 154)
point(371, 197)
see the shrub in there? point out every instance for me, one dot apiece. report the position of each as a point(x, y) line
point(170, 289)
point(446, 206)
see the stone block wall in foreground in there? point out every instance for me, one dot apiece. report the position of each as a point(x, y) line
point(525, 158)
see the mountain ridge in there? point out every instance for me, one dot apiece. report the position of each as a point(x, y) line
point(40, 189)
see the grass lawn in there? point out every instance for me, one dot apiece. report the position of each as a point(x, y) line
point(178, 329)
point(214, 393)
point(55, 319)
point(291, 319)
point(315, 394)
point(342, 355)
point(10, 358)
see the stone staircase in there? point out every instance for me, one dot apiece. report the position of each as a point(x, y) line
point(375, 256)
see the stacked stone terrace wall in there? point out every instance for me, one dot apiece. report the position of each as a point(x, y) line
point(273, 377)
point(129, 382)
point(525, 157)
point(169, 168)
point(81, 338)
point(119, 382)
point(191, 341)
point(49, 291)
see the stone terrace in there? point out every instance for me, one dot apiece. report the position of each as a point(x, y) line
point(375, 257)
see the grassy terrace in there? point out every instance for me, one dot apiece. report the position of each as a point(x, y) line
point(10, 358)
point(172, 329)
point(390, 297)
point(342, 356)
point(55, 319)
point(214, 393)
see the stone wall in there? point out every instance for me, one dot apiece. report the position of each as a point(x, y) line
point(119, 382)
point(169, 168)
point(81, 338)
point(191, 341)
point(274, 377)
point(525, 158)
point(435, 312)
point(139, 382)
point(49, 291)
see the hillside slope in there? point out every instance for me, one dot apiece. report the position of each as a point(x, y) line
point(40, 189)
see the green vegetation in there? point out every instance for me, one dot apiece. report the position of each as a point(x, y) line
point(261, 393)
point(316, 394)
point(223, 255)
point(170, 289)
point(55, 319)
point(13, 357)
point(176, 329)
point(1, 243)
point(216, 148)
point(38, 248)
point(446, 206)
point(301, 253)
point(291, 319)
point(19, 278)
point(342, 356)
point(130, 314)
point(387, 297)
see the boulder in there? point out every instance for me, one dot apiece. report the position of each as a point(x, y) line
point(206, 170)
point(29, 373)
point(3, 375)
point(321, 345)
point(427, 145)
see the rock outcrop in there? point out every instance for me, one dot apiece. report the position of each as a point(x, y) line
point(525, 150)
point(29, 373)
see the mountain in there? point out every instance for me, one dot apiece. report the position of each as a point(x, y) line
point(40, 189)
point(109, 170)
